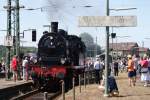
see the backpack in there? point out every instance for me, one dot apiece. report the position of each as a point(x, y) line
point(144, 63)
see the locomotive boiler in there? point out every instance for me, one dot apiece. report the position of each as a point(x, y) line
point(60, 57)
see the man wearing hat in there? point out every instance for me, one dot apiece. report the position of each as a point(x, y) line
point(131, 73)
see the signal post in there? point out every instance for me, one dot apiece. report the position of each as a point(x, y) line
point(8, 39)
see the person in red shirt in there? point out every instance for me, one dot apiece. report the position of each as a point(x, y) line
point(14, 64)
point(144, 70)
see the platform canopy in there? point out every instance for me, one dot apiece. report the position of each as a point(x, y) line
point(103, 21)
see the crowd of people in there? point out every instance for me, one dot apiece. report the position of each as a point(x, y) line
point(138, 66)
point(135, 67)
point(20, 68)
point(98, 67)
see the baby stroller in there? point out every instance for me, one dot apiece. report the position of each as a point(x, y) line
point(112, 86)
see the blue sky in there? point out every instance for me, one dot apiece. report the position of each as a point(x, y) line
point(67, 13)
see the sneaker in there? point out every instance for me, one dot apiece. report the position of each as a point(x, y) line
point(145, 85)
point(116, 93)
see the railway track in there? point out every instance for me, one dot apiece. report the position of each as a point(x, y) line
point(22, 96)
point(37, 95)
point(40, 96)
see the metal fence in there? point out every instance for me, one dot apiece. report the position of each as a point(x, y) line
point(88, 77)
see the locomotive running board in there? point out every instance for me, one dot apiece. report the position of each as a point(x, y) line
point(79, 67)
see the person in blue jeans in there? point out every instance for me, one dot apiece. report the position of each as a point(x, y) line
point(116, 68)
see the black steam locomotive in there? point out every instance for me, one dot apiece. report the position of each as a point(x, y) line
point(60, 57)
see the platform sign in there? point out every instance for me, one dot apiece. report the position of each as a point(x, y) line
point(103, 21)
point(8, 41)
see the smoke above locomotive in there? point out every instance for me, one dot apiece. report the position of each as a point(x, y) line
point(59, 48)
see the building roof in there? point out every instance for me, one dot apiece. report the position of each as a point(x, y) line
point(123, 45)
point(143, 49)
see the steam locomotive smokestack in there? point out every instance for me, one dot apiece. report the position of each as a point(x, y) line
point(54, 27)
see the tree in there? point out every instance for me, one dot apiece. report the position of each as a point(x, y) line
point(3, 51)
point(87, 38)
point(90, 45)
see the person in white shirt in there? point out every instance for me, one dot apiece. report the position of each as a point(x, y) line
point(25, 68)
point(98, 72)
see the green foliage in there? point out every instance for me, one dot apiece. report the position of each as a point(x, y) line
point(28, 49)
point(134, 51)
point(22, 50)
point(87, 38)
point(2, 51)
point(148, 52)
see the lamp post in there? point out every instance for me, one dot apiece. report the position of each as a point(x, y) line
point(106, 52)
point(113, 35)
point(107, 46)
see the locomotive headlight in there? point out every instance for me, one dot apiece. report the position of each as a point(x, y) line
point(62, 60)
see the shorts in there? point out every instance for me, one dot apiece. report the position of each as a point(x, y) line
point(131, 74)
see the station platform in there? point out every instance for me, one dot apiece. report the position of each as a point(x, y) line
point(92, 92)
point(10, 83)
point(10, 89)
